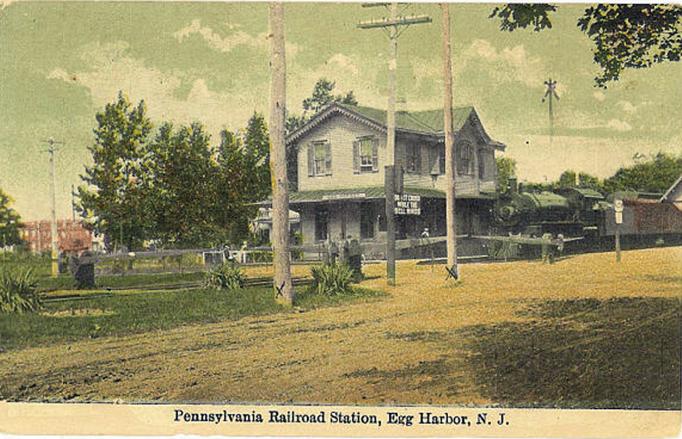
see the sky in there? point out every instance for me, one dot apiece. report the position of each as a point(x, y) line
point(61, 62)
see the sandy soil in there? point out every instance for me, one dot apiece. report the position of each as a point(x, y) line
point(367, 353)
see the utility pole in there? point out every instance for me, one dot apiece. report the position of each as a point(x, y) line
point(549, 95)
point(278, 164)
point(395, 25)
point(450, 169)
point(51, 149)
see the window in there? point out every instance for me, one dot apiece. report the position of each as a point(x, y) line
point(481, 164)
point(465, 157)
point(437, 160)
point(321, 222)
point(367, 221)
point(319, 159)
point(365, 155)
point(413, 162)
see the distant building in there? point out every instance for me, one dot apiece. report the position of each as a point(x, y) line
point(72, 236)
point(341, 154)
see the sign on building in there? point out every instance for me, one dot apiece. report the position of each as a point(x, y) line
point(406, 204)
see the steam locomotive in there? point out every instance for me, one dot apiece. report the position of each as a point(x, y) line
point(587, 214)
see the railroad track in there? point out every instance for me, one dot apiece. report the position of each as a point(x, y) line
point(249, 282)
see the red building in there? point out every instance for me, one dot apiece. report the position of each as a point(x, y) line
point(71, 236)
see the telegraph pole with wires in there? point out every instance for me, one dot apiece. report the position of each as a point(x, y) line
point(51, 149)
point(395, 25)
point(550, 93)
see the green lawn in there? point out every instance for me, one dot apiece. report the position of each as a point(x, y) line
point(66, 281)
point(136, 312)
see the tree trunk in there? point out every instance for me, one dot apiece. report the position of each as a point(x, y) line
point(450, 169)
point(278, 164)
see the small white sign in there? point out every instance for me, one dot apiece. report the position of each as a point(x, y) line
point(619, 217)
point(618, 205)
point(406, 204)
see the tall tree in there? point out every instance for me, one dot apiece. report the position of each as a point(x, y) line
point(184, 175)
point(257, 157)
point(10, 222)
point(625, 36)
point(278, 160)
point(115, 189)
point(234, 189)
point(322, 94)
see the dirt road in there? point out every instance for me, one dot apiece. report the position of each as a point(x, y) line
point(426, 342)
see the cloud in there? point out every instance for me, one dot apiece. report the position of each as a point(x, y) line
point(223, 44)
point(230, 42)
point(507, 64)
point(599, 95)
point(112, 69)
point(627, 107)
point(618, 125)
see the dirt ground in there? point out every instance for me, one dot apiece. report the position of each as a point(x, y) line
point(519, 333)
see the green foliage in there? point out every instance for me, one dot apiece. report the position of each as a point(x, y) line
point(18, 292)
point(632, 36)
point(323, 94)
point(116, 185)
point(588, 181)
point(522, 15)
point(331, 279)
point(226, 276)
point(625, 36)
point(10, 222)
point(567, 179)
point(243, 179)
point(650, 174)
point(184, 175)
point(506, 169)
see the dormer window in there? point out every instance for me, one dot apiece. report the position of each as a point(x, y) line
point(365, 155)
point(466, 154)
point(412, 159)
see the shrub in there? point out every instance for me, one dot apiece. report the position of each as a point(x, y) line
point(226, 276)
point(18, 292)
point(331, 279)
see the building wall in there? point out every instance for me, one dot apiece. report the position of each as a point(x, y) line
point(341, 132)
point(71, 236)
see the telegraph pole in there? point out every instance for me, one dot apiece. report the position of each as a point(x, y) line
point(451, 226)
point(395, 25)
point(278, 163)
point(51, 149)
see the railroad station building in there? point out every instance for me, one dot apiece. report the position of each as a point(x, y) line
point(341, 154)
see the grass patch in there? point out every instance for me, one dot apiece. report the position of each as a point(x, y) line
point(138, 312)
point(66, 282)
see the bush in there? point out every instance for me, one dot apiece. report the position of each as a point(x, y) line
point(331, 279)
point(226, 276)
point(18, 292)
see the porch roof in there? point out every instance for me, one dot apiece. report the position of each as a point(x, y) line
point(367, 193)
